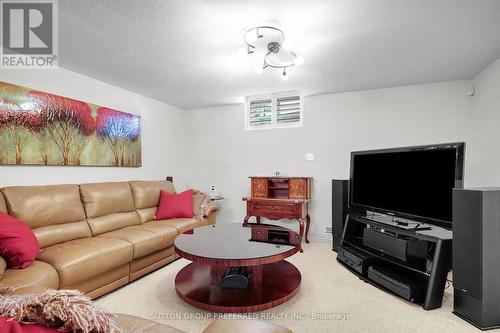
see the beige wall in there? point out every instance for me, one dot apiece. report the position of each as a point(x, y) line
point(484, 146)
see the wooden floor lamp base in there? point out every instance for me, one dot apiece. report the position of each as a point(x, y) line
point(280, 282)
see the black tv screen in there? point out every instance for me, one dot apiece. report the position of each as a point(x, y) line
point(410, 182)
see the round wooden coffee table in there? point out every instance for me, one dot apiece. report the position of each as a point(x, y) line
point(214, 249)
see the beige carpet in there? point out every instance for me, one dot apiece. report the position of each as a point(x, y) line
point(346, 303)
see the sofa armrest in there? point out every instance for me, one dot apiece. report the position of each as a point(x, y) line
point(29, 290)
point(22, 290)
point(211, 208)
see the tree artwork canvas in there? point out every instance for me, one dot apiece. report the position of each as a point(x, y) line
point(38, 128)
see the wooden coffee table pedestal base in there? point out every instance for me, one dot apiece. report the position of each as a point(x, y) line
point(271, 285)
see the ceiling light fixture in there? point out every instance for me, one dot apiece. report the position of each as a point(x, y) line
point(277, 50)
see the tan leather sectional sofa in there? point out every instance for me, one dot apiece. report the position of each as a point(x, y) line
point(98, 237)
point(95, 237)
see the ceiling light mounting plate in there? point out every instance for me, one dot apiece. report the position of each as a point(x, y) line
point(273, 47)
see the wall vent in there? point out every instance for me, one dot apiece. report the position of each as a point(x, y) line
point(328, 230)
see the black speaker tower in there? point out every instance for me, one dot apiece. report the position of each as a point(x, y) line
point(476, 256)
point(340, 198)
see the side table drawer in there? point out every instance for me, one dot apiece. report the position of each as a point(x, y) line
point(274, 210)
point(290, 208)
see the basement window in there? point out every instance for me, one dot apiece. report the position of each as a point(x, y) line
point(260, 112)
point(283, 110)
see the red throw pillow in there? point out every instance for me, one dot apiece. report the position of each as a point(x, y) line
point(173, 205)
point(12, 326)
point(18, 244)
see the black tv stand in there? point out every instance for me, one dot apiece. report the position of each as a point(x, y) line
point(408, 258)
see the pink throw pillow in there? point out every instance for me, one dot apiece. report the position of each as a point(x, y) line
point(12, 326)
point(18, 244)
point(173, 205)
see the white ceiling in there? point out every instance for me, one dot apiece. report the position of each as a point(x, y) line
point(184, 52)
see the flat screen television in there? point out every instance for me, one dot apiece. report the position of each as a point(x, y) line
point(409, 182)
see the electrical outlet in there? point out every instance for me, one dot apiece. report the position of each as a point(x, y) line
point(328, 230)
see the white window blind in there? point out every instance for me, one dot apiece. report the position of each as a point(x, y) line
point(288, 109)
point(283, 110)
point(260, 112)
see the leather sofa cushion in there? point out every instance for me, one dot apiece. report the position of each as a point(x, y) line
point(144, 241)
point(112, 222)
point(139, 264)
point(244, 326)
point(103, 283)
point(3, 205)
point(147, 193)
point(81, 259)
point(54, 212)
point(147, 214)
point(181, 224)
point(29, 290)
point(101, 199)
point(40, 206)
point(109, 206)
point(60, 233)
point(160, 229)
point(132, 324)
point(38, 274)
